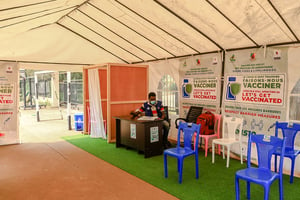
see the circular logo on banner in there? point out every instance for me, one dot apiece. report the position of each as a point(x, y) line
point(9, 69)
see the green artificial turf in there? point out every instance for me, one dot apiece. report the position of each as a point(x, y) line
point(215, 180)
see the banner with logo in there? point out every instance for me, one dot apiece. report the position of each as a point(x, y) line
point(200, 82)
point(9, 121)
point(255, 88)
point(203, 89)
point(263, 89)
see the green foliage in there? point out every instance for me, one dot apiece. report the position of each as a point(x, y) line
point(74, 76)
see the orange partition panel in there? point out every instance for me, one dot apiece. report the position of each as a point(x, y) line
point(103, 82)
point(128, 83)
point(104, 109)
point(128, 88)
point(122, 91)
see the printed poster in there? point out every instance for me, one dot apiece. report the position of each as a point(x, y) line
point(263, 89)
point(202, 89)
point(9, 121)
point(255, 88)
point(154, 134)
point(200, 78)
point(133, 131)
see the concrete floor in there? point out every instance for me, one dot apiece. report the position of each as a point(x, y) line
point(46, 167)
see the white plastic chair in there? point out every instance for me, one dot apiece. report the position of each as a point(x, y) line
point(229, 137)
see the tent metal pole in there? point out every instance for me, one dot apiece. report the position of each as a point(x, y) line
point(222, 78)
point(30, 91)
point(69, 100)
point(24, 91)
point(37, 107)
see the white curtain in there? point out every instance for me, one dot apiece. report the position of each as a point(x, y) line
point(96, 118)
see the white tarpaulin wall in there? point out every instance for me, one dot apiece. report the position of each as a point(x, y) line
point(124, 31)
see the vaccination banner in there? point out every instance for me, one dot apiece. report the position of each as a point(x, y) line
point(200, 82)
point(255, 88)
point(9, 122)
point(261, 89)
point(7, 94)
point(203, 89)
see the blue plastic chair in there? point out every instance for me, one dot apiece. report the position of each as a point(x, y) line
point(188, 130)
point(262, 175)
point(289, 132)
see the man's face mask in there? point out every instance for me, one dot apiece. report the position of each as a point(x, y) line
point(153, 102)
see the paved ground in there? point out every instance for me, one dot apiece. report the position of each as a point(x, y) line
point(52, 126)
point(46, 167)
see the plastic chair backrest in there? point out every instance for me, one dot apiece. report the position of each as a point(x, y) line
point(193, 114)
point(230, 126)
point(289, 132)
point(266, 146)
point(188, 130)
point(217, 125)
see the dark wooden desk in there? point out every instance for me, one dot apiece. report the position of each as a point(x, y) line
point(142, 135)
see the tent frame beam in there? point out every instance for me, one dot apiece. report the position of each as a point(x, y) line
point(28, 5)
point(104, 37)
point(183, 56)
point(283, 20)
point(227, 50)
point(116, 33)
point(41, 62)
point(91, 42)
point(152, 23)
point(76, 8)
point(28, 14)
point(189, 24)
point(268, 45)
point(138, 33)
point(228, 19)
point(44, 15)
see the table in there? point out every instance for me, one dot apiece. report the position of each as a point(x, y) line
point(142, 135)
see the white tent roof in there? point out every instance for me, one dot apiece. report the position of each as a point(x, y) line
point(73, 33)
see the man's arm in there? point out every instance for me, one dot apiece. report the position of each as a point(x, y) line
point(163, 114)
point(138, 112)
point(162, 110)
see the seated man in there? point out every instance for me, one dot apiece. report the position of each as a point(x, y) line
point(155, 108)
